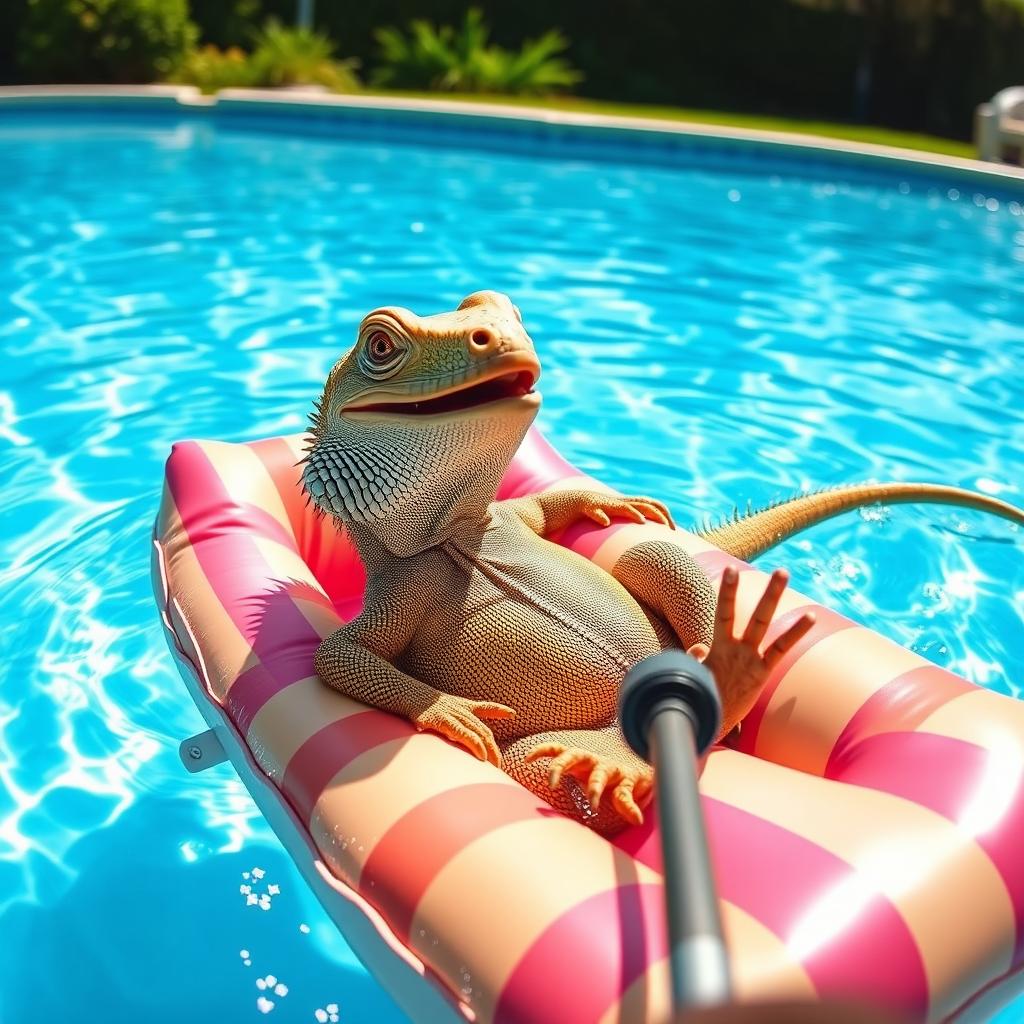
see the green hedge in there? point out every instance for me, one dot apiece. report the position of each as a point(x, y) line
point(932, 71)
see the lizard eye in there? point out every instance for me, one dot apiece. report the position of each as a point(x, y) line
point(380, 346)
point(382, 354)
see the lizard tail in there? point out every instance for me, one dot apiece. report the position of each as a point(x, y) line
point(751, 534)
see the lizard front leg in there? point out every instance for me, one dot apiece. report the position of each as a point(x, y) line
point(551, 511)
point(665, 578)
point(589, 774)
point(345, 662)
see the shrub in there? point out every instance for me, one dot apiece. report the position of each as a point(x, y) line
point(104, 40)
point(281, 57)
point(460, 60)
point(535, 68)
point(212, 69)
point(299, 56)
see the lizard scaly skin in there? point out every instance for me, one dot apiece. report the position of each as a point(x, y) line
point(474, 625)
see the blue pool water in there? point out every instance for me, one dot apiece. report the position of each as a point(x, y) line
point(707, 336)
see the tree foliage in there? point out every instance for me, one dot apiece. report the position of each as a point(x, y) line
point(103, 40)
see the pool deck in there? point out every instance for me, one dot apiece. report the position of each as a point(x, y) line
point(506, 119)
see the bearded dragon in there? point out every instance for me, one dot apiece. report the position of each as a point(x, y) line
point(477, 627)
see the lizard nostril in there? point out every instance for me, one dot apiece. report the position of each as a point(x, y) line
point(481, 338)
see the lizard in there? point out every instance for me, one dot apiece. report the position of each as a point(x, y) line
point(478, 627)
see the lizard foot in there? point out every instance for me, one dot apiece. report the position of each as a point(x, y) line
point(630, 787)
point(601, 507)
point(460, 720)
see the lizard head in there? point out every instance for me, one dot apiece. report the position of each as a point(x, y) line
point(420, 419)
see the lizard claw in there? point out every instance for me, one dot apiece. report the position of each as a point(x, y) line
point(459, 719)
point(600, 508)
point(630, 786)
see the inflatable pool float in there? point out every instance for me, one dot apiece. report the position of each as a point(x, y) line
point(866, 827)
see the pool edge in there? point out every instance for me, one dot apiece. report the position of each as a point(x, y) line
point(529, 121)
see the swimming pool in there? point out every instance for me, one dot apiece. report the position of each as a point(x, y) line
point(712, 330)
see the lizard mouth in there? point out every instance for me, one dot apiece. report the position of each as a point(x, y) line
point(517, 384)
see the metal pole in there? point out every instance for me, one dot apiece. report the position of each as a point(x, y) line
point(698, 958)
point(670, 713)
point(304, 18)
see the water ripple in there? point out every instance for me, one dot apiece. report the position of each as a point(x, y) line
point(706, 337)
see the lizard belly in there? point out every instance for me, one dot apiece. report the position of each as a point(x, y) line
point(546, 632)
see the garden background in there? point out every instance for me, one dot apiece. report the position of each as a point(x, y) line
point(916, 65)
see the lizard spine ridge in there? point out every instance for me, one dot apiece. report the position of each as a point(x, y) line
point(753, 533)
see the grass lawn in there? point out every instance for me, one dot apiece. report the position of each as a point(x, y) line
point(828, 129)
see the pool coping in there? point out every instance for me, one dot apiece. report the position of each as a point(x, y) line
point(505, 118)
